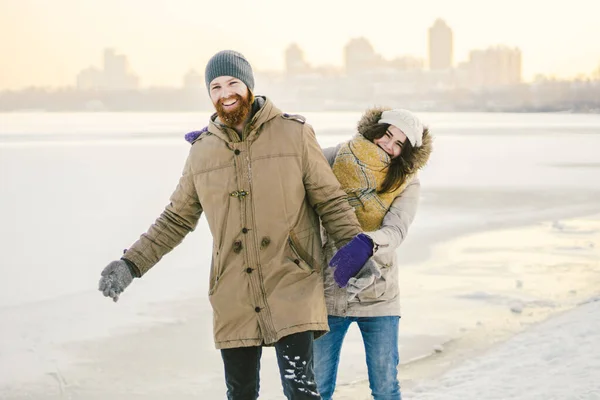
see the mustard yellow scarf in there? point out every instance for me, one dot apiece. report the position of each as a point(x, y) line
point(360, 166)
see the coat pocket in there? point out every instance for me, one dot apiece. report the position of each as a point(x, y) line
point(215, 266)
point(305, 255)
point(215, 271)
point(379, 290)
point(300, 256)
point(224, 223)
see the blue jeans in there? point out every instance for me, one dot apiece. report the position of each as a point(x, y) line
point(380, 337)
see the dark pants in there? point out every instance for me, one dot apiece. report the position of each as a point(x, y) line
point(295, 359)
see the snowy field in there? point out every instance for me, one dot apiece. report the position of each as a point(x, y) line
point(504, 249)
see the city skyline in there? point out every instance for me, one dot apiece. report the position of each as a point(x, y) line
point(46, 47)
point(494, 66)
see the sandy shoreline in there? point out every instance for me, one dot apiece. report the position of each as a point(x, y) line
point(176, 357)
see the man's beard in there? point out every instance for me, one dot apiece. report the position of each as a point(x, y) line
point(238, 114)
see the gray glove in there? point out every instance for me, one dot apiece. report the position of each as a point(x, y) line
point(365, 278)
point(115, 278)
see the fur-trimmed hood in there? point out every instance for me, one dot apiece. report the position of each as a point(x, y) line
point(420, 155)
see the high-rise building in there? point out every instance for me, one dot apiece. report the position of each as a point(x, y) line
point(114, 75)
point(90, 79)
point(359, 56)
point(294, 60)
point(116, 72)
point(495, 66)
point(407, 63)
point(192, 80)
point(596, 74)
point(441, 48)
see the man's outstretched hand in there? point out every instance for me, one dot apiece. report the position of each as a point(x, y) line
point(115, 278)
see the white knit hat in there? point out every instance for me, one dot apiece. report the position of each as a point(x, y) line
point(407, 122)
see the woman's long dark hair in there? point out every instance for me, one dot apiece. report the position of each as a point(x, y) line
point(400, 166)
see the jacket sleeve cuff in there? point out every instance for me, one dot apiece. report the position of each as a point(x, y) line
point(379, 239)
point(132, 268)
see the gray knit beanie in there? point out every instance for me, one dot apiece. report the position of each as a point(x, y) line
point(229, 63)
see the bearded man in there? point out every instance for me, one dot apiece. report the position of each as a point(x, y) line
point(260, 178)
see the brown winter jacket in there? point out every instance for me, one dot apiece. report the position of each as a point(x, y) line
point(262, 198)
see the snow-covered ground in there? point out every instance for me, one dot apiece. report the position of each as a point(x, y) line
point(557, 359)
point(531, 329)
point(506, 238)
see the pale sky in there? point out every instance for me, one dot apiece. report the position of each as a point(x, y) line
point(47, 42)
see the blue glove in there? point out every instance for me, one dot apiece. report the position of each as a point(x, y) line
point(351, 258)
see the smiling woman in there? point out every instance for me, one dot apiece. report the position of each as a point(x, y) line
point(392, 141)
point(398, 133)
point(377, 169)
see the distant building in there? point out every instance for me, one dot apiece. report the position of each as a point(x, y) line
point(495, 67)
point(596, 74)
point(114, 75)
point(192, 80)
point(359, 56)
point(295, 64)
point(90, 79)
point(407, 63)
point(441, 47)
